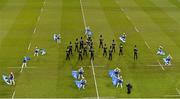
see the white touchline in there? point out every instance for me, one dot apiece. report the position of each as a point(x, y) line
point(82, 10)
point(136, 29)
point(39, 17)
point(178, 91)
point(147, 44)
point(97, 92)
point(13, 95)
point(84, 20)
point(160, 65)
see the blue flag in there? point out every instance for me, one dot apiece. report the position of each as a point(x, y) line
point(75, 74)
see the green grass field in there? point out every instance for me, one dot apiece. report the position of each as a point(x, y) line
point(25, 24)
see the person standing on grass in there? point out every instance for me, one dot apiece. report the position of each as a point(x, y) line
point(105, 50)
point(91, 53)
point(119, 82)
point(59, 38)
point(85, 49)
point(70, 48)
point(135, 53)
point(83, 82)
point(91, 43)
point(24, 62)
point(129, 88)
point(81, 43)
point(76, 45)
point(80, 72)
point(11, 78)
point(110, 53)
point(36, 51)
point(101, 42)
point(121, 49)
point(67, 54)
point(113, 46)
point(80, 55)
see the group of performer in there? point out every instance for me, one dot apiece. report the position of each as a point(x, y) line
point(83, 47)
point(166, 58)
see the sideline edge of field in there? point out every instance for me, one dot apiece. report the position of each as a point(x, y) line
point(29, 46)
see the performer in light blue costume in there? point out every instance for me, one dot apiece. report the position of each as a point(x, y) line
point(55, 37)
point(25, 60)
point(115, 72)
point(123, 37)
point(81, 84)
point(88, 32)
point(9, 79)
point(167, 60)
point(36, 51)
point(75, 74)
point(42, 51)
point(80, 72)
point(119, 82)
point(160, 51)
point(58, 38)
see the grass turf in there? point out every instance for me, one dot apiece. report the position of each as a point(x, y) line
point(157, 23)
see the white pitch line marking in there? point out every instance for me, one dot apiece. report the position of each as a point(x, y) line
point(97, 92)
point(82, 10)
point(29, 46)
point(137, 30)
point(147, 44)
point(13, 94)
point(84, 21)
point(25, 67)
point(160, 65)
point(39, 17)
point(178, 91)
